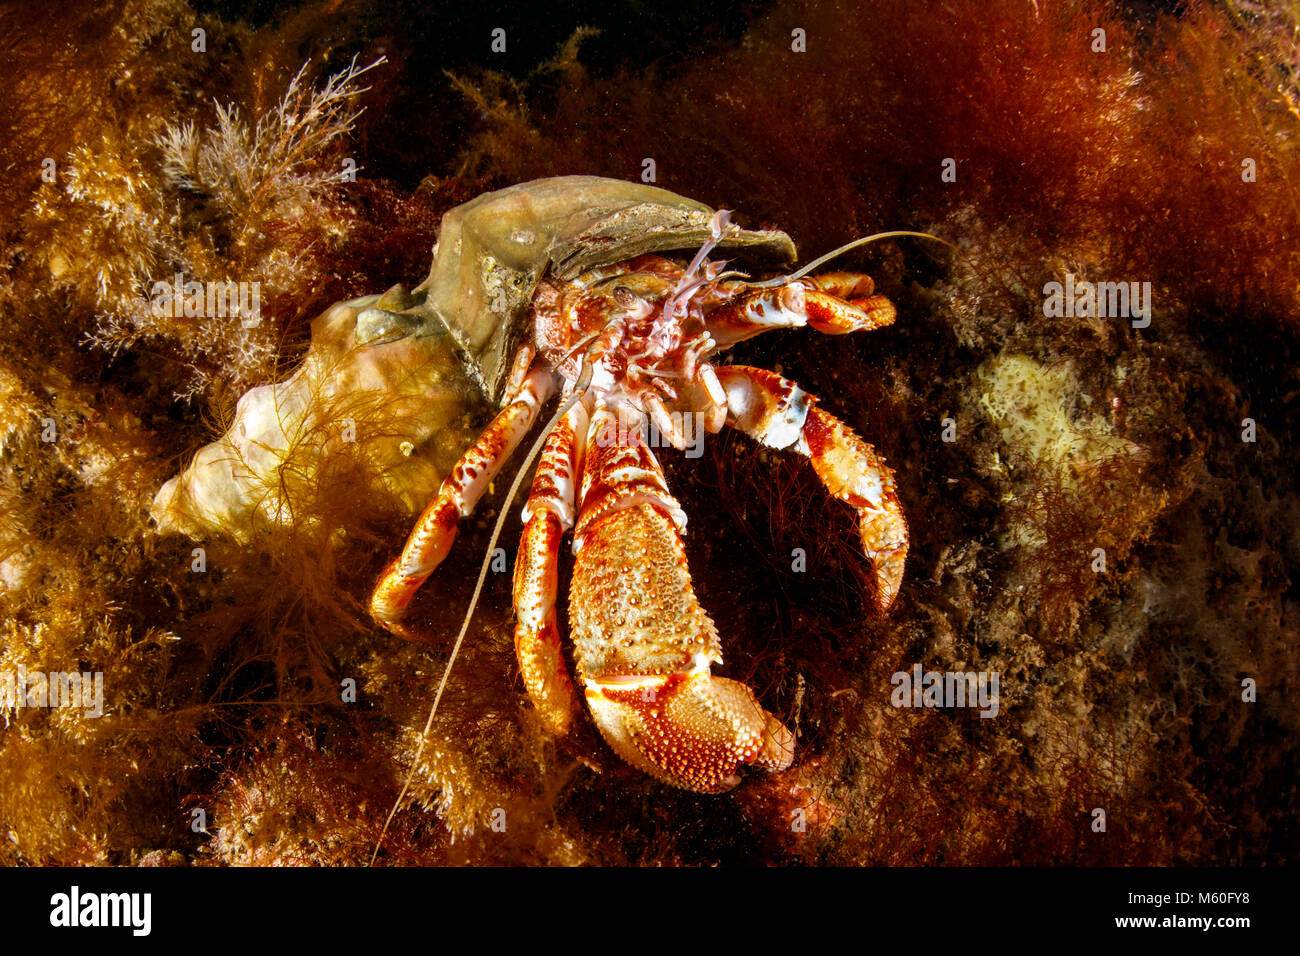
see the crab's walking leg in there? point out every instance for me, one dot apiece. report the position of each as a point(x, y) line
point(779, 414)
point(550, 512)
point(835, 303)
point(460, 492)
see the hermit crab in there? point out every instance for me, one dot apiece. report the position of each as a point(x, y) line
point(606, 292)
point(570, 285)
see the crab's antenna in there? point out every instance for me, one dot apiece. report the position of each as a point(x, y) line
point(580, 389)
point(822, 260)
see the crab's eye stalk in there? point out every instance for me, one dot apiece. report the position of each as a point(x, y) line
point(633, 304)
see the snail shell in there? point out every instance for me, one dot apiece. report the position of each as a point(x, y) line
point(370, 393)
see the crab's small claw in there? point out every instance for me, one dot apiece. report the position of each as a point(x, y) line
point(690, 730)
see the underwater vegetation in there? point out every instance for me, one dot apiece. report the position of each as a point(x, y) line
point(1103, 501)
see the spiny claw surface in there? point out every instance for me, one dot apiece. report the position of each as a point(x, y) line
point(690, 730)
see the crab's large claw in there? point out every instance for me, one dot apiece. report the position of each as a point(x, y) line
point(690, 730)
point(644, 644)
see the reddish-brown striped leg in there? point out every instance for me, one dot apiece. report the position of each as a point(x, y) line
point(547, 516)
point(815, 301)
point(778, 413)
point(434, 533)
